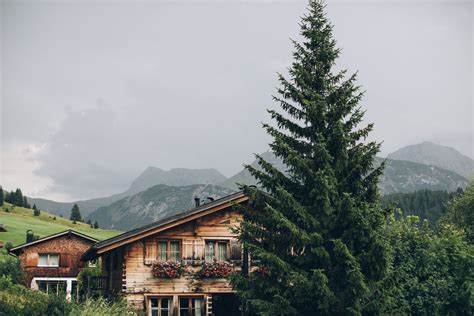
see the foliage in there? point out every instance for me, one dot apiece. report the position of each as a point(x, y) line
point(16, 299)
point(2, 197)
point(89, 282)
point(167, 269)
point(319, 230)
point(10, 268)
point(101, 307)
point(432, 273)
point(8, 246)
point(36, 211)
point(96, 225)
point(426, 204)
point(461, 212)
point(75, 214)
point(16, 198)
point(215, 269)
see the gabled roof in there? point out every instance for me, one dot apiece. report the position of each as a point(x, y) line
point(16, 249)
point(163, 224)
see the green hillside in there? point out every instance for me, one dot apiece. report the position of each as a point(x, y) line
point(18, 220)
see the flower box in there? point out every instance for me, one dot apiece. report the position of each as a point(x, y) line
point(216, 269)
point(167, 269)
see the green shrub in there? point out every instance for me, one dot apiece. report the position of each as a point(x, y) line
point(10, 267)
point(89, 282)
point(101, 307)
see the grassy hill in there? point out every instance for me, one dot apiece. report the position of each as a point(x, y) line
point(18, 220)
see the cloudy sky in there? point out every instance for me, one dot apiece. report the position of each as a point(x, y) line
point(93, 92)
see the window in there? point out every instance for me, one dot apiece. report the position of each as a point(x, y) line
point(52, 287)
point(191, 306)
point(169, 250)
point(216, 250)
point(48, 260)
point(160, 306)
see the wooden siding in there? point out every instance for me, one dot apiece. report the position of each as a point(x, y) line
point(138, 281)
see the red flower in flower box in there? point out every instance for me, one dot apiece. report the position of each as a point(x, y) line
point(167, 269)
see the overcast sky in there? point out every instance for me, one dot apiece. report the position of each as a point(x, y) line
point(93, 92)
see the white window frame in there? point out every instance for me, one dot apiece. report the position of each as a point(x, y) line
point(48, 265)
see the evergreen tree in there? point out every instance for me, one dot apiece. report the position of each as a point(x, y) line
point(36, 211)
point(461, 211)
point(2, 197)
point(17, 198)
point(96, 225)
point(25, 202)
point(75, 214)
point(317, 230)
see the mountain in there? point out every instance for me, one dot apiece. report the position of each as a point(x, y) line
point(405, 176)
point(148, 178)
point(154, 203)
point(436, 155)
point(244, 177)
point(174, 177)
point(399, 176)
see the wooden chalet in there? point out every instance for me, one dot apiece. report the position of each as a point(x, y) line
point(52, 264)
point(146, 264)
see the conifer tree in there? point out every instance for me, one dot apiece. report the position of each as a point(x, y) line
point(96, 225)
point(2, 197)
point(75, 214)
point(316, 230)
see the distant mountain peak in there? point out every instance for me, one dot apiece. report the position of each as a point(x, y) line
point(152, 176)
point(430, 153)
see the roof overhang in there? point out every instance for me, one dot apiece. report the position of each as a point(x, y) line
point(16, 250)
point(128, 237)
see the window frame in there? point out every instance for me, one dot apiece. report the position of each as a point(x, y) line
point(190, 304)
point(158, 308)
point(48, 265)
point(215, 255)
point(168, 250)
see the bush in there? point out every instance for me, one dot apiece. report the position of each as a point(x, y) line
point(89, 282)
point(10, 268)
point(16, 299)
point(101, 307)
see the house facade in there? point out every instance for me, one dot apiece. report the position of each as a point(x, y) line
point(52, 264)
point(178, 265)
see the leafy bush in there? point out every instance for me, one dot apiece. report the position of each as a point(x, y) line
point(16, 299)
point(10, 267)
point(89, 282)
point(101, 307)
point(168, 269)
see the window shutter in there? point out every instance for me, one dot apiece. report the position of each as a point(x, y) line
point(64, 260)
point(188, 251)
point(199, 251)
point(31, 260)
point(150, 251)
point(235, 250)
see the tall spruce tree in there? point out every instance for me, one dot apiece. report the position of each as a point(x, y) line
point(75, 214)
point(2, 197)
point(316, 231)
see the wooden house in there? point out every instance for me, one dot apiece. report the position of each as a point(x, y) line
point(52, 264)
point(177, 265)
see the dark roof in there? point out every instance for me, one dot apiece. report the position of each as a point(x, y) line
point(162, 222)
point(69, 231)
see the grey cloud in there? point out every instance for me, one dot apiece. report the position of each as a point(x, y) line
point(186, 84)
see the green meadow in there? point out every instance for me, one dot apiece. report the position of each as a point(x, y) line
point(18, 220)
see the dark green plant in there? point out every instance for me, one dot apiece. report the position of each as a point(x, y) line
point(10, 267)
point(75, 214)
point(318, 229)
